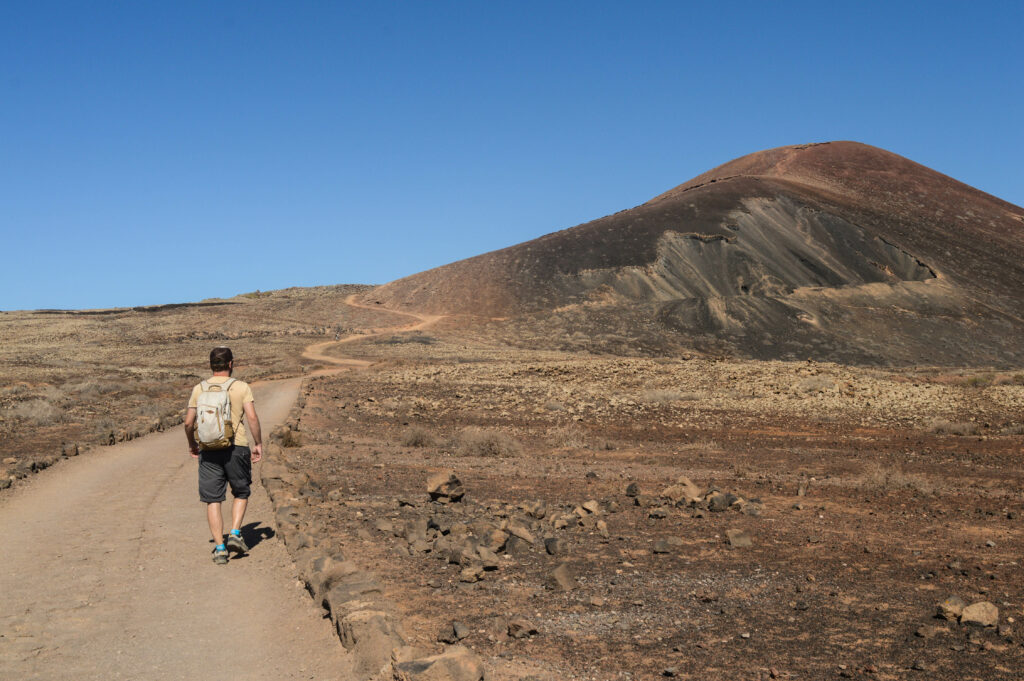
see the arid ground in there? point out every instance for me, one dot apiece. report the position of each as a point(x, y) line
point(768, 424)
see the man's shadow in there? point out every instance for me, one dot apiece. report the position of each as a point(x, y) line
point(253, 533)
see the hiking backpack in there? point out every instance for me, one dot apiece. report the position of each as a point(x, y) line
point(213, 416)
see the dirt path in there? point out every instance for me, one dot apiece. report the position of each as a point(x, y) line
point(106, 574)
point(105, 569)
point(315, 352)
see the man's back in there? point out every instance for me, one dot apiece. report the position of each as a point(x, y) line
point(240, 394)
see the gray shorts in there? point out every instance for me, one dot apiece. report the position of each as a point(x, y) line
point(219, 467)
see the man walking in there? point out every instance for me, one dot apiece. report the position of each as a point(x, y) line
point(217, 404)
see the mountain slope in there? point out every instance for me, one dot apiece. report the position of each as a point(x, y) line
point(827, 250)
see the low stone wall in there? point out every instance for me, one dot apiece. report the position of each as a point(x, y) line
point(367, 624)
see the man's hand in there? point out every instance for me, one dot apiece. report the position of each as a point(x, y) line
point(257, 453)
point(194, 451)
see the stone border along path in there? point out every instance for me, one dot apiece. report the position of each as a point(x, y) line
point(367, 625)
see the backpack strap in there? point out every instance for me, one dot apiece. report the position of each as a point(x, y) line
point(226, 385)
point(204, 386)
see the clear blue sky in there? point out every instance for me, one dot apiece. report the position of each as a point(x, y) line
point(142, 144)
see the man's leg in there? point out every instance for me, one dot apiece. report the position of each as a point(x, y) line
point(213, 515)
point(238, 513)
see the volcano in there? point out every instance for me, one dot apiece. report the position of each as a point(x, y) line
point(838, 251)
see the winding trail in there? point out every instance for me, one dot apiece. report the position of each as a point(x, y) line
point(105, 569)
point(315, 352)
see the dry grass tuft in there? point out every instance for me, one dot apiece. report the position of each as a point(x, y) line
point(882, 479)
point(417, 437)
point(475, 441)
point(38, 412)
point(572, 437)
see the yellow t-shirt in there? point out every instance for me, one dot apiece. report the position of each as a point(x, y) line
point(240, 394)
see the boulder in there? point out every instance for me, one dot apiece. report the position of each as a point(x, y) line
point(950, 609)
point(555, 546)
point(370, 636)
point(683, 492)
point(457, 663)
point(521, 628)
point(981, 614)
point(453, 632)
point(562, 578)
point(738, 538)
point(445, 486)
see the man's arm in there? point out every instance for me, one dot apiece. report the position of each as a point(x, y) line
point(190, 432)
point(254, 430)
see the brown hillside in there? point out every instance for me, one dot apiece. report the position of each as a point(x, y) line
point(837, 250)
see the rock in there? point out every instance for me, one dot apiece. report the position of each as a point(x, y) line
point(597, 601)
point(602, 529)
point(5, 482)
point(591, 506)
point(981, 614)
point(562, 578)
point(453, 633)
point(323, 572)
point(488, 559)
point(370, 636)
point(523, 533)
point(555, 546)
point(471, 574)
point(349, 587)
point(632, 490)
point(385, 526)
point(445, 485)
point(455, 664)
point(495, 540)
point(951, 608)
point(516, 546)
point(683, 492)
point(10, 461)
point(646, 501)
point(738, 538)
point(535, 509)
point(661, 546)
point(521, 628)
point(929, 631)
point(718, 503)
point(658, 513)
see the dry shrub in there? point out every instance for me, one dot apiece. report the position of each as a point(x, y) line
point(1015, 429)
point(554, 405)
point(37, 412)
point(944, 427)
point(567, 436)
point(417, 437)
point(91, 389)
point(1008, 379)
point(700, 445)
point(475, 441)
point(979, 380)
point(882, 479)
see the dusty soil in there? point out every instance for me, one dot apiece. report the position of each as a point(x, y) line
point(864, 508)
point(869, 495)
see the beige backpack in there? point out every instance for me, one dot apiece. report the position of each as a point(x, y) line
point(214, 429)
